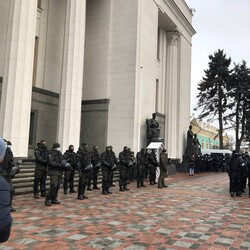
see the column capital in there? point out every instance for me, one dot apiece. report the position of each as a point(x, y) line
point(172, 36)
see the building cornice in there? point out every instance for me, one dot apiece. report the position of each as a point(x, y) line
point(178, 14)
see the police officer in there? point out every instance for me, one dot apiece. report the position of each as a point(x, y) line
point(141, 165)
point(84, 171)
point(107, 166)
point(56, 166)
point(41, 157)
point(234, 174)
point(152, 166)
point(96, 162)
point(125, 163)
point(163, 169)
point(71, 157)
point(113, 170)
point(248, 171)
point(5, 170)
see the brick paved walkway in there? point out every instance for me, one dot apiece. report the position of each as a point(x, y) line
point(192, 213)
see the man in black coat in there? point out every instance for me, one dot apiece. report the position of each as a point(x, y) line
point(40, 176)
point(72, 158)
point(107, 164)
point(234, 174)
point(153, 163)
point(56, 167)
point(84, 171)
point(141, 168)
point(126, 162)
point(96, 162)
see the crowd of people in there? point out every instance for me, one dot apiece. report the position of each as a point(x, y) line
point(62, 167)
point(236, 165)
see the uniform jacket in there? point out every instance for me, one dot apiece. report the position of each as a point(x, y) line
point(55, 163)
point(72, 158)
point(41, 155)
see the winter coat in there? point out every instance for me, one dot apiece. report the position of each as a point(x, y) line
point(5, 217)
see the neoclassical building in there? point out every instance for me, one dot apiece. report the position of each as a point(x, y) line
point(93, 71)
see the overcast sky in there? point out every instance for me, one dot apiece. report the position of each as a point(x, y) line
point(220, 24)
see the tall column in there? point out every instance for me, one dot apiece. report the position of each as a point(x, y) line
point(171, 124)
point(72, 75)
point(17, 78)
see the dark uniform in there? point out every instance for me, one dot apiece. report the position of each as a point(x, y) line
point(5, 217)
point(96, 162)
point(125, 163)
point(141, 166)
point(41, 156)
point(163, 169)
point(234, 174)
point(107, 165)
point(132, 169)
point(5, 171)
point(152, 167)
point(248, 171)
point(56, 166)
point(111, 183)
point(84, 171)
point(71, 157)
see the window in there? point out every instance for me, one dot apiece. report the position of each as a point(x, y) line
point(35, 60)
point(33, 125)
point(157, 96)
point(158, 44)
point(39, 4)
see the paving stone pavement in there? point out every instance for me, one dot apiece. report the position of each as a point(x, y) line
point(192, 213)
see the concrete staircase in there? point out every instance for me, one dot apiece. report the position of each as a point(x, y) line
point(23, 181)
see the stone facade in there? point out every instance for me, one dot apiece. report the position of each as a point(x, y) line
point(93, 71)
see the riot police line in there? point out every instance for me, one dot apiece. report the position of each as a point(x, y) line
point(61, 169)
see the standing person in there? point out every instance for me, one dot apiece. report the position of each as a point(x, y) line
point(191, 165)
point(40, 176)
point(125, 163)
point(107, 164)
point(96, 162)
point(248, 171)
point(85, 168)
point(152, 166)
point(113, 170)
point(141, 165)
point(71, 157)
point(5, 168)
point(56, 167)
point(5, 217)
point(234, 174)
point(132, 170)
point(163, 169)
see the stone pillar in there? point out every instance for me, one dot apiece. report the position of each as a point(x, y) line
point(72, 75)
point(171, 102)
point(17, 78)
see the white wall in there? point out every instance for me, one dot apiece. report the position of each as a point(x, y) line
point(146, 68)
point(54, 45)
point(4, 14)
point(122, 75)
point(97, 43)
